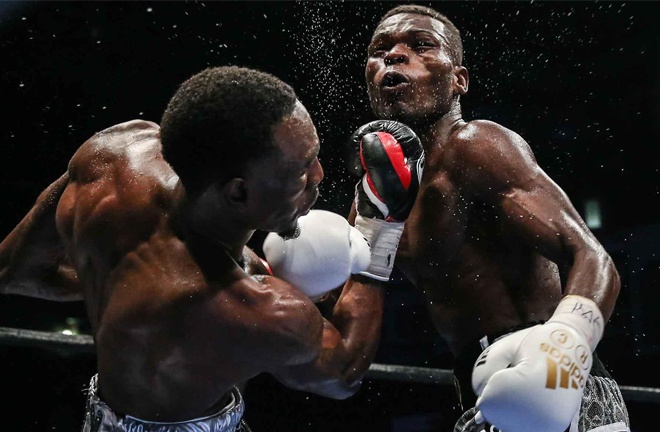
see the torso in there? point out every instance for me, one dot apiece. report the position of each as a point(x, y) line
point(477, 278)
point(158, 314)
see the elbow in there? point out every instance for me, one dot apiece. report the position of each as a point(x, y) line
point(8, 284)
point(339, 390)
point(347, 392)
point(613, 276)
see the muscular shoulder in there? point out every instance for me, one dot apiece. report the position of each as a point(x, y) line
point(483, 151)
point(488, 139)
point(112, 145)
point(127, 154)
point(120, 186)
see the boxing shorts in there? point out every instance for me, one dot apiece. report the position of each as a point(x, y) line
point(100, 418)
point(602, 408)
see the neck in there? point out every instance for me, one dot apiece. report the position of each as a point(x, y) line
point(434, 133)
point(216, 230)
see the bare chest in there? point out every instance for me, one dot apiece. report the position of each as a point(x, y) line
point(434, 231)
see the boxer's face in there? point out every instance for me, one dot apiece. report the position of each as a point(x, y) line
point(287, 182)
point(409, 68)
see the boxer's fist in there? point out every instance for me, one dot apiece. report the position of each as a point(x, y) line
point(326, 251)
point(391, 162)
point(405, 136)
point(533, 379)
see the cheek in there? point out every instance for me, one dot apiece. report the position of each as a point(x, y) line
point(437, 86)
point(371, 70)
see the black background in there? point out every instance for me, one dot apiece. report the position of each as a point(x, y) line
point(578, 80)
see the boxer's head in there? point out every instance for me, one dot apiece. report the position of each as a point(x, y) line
point(414, 68)
point(243, 135)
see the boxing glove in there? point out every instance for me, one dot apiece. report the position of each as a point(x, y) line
point(325, 252)
point(533, 379)
point(391, 160)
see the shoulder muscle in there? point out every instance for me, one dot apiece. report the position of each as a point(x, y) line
point(489, 158)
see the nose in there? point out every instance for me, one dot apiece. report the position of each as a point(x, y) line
point(397, 54)
point(316, 173)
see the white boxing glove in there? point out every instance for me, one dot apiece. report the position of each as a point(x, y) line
point(533, 379)
point(321, 257)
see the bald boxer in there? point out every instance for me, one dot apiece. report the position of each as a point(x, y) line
point(149, 225)
point(515, 282)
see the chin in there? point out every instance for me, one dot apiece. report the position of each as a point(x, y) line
point(291, 232)
point(392, 111)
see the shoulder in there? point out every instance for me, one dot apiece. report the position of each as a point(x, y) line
point(480, 144)
point(124, 134)
point(128, 127)
point(479, 136)
point(129, 146)
point(124, 164)
point(485, 153)
point(116, 140)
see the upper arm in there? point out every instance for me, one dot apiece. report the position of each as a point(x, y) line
point(284, 326)
point(32, 257)
point(302, 349)
point(500, 169)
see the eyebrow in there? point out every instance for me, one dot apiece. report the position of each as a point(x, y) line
point(378, 36)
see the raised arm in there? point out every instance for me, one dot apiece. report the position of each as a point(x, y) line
point(391, 158)
point(32, 258)
point(502, 170)
point(337, 350)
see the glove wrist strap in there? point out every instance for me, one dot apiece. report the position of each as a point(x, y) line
point(383, 238)
point(584, 315)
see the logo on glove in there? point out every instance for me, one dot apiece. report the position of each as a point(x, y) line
point(563, 371)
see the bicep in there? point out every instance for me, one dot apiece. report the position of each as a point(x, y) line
point(292, 325)
point(541, 213)
point(311, 347)
point(502, 172)
point(325, 374)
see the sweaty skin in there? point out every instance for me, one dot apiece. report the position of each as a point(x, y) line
point(491, 237)
point(177, 313)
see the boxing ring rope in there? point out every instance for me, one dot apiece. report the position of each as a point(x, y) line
point(84, 344)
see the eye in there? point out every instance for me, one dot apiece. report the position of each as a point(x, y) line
point(377, 50)
point(424, 44)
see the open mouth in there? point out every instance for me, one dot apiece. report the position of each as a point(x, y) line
point(393, 80)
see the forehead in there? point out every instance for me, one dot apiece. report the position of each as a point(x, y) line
point(296, 135)
point(410, 22)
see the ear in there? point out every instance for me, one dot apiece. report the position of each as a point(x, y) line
point(235, 192)
point(461, 80)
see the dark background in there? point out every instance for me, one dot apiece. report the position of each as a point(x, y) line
point(578, 80)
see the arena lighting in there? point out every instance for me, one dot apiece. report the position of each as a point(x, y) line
point(71, 327)
point(592, 214)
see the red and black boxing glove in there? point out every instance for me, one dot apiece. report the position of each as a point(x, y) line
point(390, 158)
point(391, 163)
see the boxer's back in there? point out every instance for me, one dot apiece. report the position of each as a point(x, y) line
point(152, 309)
point(120, 194)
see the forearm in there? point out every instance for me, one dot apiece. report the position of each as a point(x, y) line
point(61, 284)
point(357, 315)
point(593, 275)
point(32, 258)
point(349, 342)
